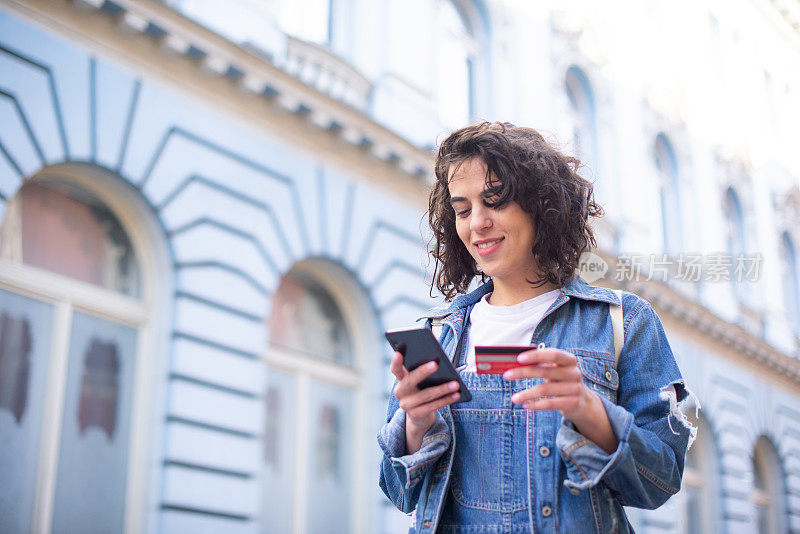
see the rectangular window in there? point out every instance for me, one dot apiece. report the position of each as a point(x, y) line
point(330, 448)
point(279, 450)
point(95, 432)
point(24, 357)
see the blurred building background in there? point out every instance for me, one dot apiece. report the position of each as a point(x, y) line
point(212, 209)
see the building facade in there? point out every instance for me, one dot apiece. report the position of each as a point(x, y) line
point(212, 210)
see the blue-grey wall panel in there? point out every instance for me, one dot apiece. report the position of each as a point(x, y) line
point(206, 448)
point(114, 93)
point(70, 68)
point(17, 137)
point(223, 286)
point(210, 363)
point(220, 326)
point(187, 522)
point(203, 198)
point(30, 86)
point(10, 177)
point(220, 409)
point(211, 492)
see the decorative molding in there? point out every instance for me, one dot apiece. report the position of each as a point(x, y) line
point(787, 211)
point(699, 318)
point(311, 82)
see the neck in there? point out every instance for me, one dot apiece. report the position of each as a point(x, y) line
point(508, 293)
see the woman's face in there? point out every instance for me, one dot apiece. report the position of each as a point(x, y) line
point(500, 239)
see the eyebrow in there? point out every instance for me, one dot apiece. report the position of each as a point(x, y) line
point(453, 200)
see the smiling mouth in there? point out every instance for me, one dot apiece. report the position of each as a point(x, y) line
point(488, 244)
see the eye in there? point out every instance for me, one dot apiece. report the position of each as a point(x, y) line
point(462, 213)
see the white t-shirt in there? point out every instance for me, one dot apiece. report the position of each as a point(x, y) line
point(505, 325)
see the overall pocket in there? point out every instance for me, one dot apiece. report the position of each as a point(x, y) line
point(599, 373)
point(490, 460)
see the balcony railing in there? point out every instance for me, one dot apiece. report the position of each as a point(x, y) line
point(320, 68)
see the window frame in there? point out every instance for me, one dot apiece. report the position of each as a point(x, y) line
point(705, 478)
point(582, 102)
point(773, 496)
point(469, 40)
point(147, 314)
point(359, 318)
point(791, 272)
point(669, 192)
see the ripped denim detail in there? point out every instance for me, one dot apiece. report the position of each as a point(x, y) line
point(679, 396)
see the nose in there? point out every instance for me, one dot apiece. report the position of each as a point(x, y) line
point(480, 220)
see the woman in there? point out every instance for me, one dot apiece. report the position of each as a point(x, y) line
point(562, 442)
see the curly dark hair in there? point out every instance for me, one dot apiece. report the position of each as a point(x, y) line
point(522, 167)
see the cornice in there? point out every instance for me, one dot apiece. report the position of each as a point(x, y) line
point(697, 317)
point(257, 76)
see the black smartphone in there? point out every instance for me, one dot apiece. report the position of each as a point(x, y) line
point(418, 346)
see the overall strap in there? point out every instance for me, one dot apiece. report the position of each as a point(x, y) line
point(616, 323)
point(436, 327)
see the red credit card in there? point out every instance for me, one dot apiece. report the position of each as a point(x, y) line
point(494, 360)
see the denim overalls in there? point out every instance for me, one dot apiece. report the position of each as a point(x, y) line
point(490, 466)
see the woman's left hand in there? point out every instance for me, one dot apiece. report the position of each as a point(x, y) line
point(563, 390)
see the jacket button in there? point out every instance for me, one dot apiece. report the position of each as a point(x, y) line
point(544, 451)
point(608, 375)
point(546, 511)
point(574, 491)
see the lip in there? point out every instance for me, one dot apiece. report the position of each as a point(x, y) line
point(483, 252)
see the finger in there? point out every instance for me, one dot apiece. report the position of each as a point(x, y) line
point(548, 355)
point(424, 396)
point(396, 366)
point(563, 404)
point(424, 409)
point(421, 373)
point(411, 379)
point(548, 389)
point(556, 373)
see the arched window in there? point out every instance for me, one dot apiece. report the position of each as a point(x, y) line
point(700, 487)
point(583, 114)
point(71, 320)
point(312, 423)
point(669, 193)
point(735, 243)
point(66, 230)
point(301, 306)
point(768, 489)
point(456, 50)
point(791, 280)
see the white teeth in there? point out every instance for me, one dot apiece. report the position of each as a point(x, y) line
point(487, 245)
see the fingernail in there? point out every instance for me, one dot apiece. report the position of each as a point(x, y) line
point(523, 358)
point(508, 375)
point(432, 365)
point(453, 385)
point(455, 395)
point(515, 398)
point(528, 405)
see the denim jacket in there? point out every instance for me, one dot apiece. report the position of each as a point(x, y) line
point(569, 484)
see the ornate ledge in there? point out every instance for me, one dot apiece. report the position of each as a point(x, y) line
point(320, 68)
point(314, 84)
point(699, 318)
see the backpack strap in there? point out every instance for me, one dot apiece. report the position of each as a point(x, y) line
point(616, 323)
point(436, 327)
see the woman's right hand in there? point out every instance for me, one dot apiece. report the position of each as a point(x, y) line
point(420, 405)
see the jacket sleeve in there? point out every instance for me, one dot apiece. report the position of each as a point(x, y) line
point(653, 433)
point(401, 474)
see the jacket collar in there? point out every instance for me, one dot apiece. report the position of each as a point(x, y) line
point(576, 288)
